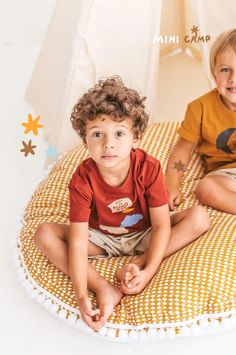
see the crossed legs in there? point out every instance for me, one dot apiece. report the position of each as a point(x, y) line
point(52, 240)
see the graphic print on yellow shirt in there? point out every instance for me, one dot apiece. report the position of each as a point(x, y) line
point(226, 141)
point(208, 122)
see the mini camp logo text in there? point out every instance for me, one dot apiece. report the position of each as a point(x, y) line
point(194, 38)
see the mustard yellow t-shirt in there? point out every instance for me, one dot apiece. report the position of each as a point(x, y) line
point(210, 123)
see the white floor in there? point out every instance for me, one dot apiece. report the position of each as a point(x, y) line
point(25, 327)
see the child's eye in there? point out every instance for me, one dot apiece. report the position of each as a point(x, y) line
point(97, 134)
point(225, 70)
point(120, 134)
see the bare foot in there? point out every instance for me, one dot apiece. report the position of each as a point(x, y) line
point(127, 273)
point(108, 296)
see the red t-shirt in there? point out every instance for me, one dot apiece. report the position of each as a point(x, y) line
point(118, 210)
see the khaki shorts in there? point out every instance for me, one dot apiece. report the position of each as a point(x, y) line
point(230, 173)
point(129, 244)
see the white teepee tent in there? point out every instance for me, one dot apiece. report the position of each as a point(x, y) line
point(89, 39)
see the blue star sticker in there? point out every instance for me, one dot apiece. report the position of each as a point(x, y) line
point(51, 152)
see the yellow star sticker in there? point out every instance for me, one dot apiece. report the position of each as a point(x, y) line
point(32, 125)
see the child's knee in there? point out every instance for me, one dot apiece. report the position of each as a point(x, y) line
point(205, 190)
point(42, 236)
point(199, 219)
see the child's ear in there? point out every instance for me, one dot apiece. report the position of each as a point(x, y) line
point(85, 144)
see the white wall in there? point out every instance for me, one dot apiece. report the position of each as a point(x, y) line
point(24, 22)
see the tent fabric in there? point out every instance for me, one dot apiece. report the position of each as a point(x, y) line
point(88, 40)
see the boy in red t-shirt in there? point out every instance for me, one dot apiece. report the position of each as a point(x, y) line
point(118, 204)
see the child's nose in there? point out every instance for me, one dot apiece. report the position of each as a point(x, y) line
point(108, 142)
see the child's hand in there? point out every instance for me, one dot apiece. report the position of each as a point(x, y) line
point(89, 315)
point(174, 198)
point(136, 284)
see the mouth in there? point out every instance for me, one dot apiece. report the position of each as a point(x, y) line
point(232, 90)
point(108, 157)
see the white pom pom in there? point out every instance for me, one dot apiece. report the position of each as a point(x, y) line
point(62, 314)
point(225, 323)
point(29, 287)
point(214, 323)
point(123, 334)
point(232, 319)
point(72, 317)
point(152, 333)
point(17, 263)
point(40, 298)
point(195, 329)
point(47, 303)
point(111, 333)
point(25, 283)
point(86, 328)
point(17, 229)
point(161, 334)
point(20, 270)
point(54, 307)
point(79, 323)
point(33, 294)
point(185, 330)
point(170, 332)
point(103, 331)
point(133, 335)
point(143, 335)
point(204, 323)
point(21, 276)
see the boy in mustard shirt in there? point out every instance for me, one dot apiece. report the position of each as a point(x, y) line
point(210, 121)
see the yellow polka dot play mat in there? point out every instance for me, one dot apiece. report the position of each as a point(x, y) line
point(193, 291)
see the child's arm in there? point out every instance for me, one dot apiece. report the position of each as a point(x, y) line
point(159, 240)
point(177, 164)
point(78, 268)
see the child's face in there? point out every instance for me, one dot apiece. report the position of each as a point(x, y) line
point(110, 142)
point(225, 77)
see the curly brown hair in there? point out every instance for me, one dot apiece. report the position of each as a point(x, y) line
point(110, 97)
